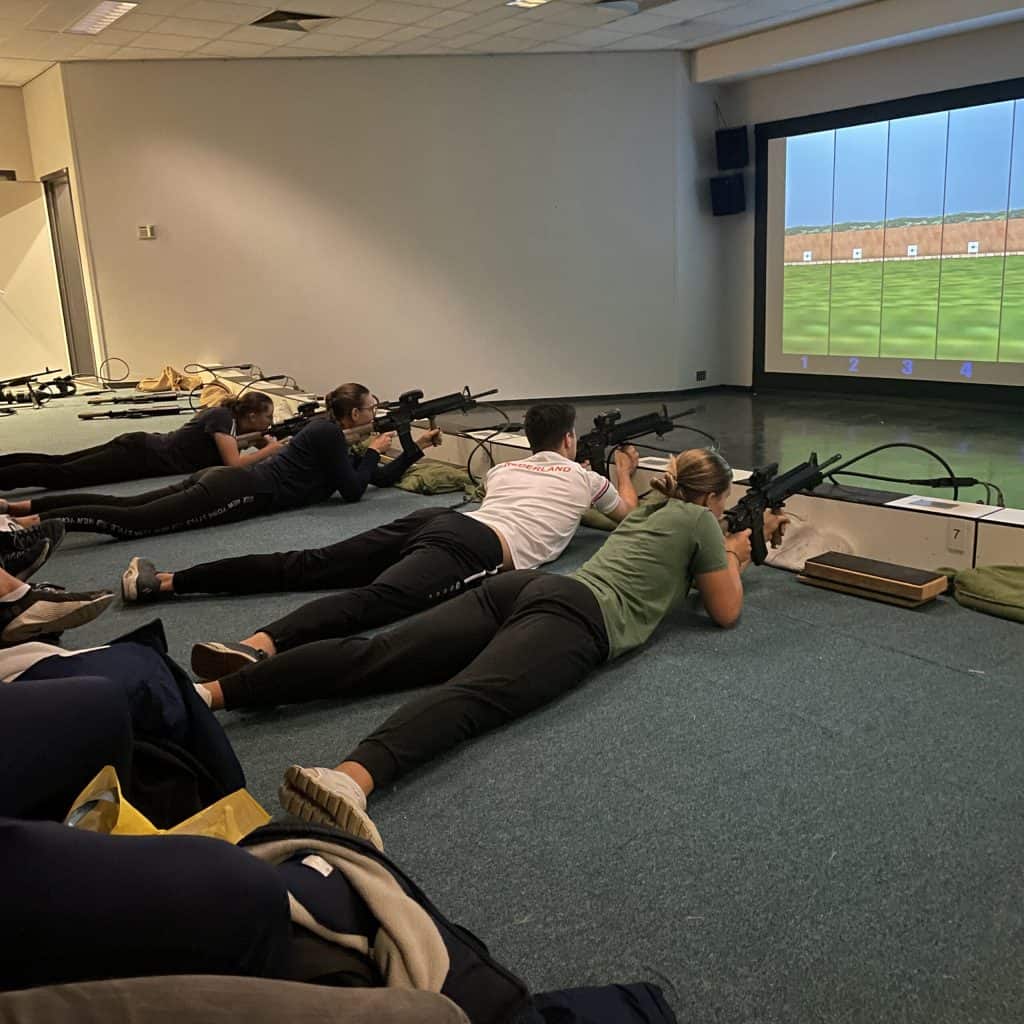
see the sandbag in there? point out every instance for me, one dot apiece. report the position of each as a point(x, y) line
point(993, 589)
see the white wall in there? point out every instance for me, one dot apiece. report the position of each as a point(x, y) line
point(535, 223)
point(14, 149)
point(31, 323)
point(973, 58)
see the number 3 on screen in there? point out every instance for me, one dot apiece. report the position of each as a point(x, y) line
point(907, 368)
point(803, 362)
point(967, 370)
point(854, 364)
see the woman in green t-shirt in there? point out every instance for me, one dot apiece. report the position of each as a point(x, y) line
point(514, 644)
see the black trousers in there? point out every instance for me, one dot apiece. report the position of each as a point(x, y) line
point(55, 735)
point(225, 494)
point(388, 573)
point(516, 643)
point(85, 906)
point(122, 458)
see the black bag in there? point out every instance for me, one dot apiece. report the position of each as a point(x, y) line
point(483, 988)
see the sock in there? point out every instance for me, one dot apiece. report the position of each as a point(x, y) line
point(205, 694)
point(16, 594)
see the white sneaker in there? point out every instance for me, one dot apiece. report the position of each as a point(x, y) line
point(328, 797)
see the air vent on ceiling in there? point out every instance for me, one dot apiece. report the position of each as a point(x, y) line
point(291, 21)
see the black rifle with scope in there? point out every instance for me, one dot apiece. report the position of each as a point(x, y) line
point(611, 431)
point(410, 407)
point(768, 490)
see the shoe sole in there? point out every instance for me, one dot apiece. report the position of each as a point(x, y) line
point(213, 660)
point(77, 616)
point(308, 800)
point(130, 582)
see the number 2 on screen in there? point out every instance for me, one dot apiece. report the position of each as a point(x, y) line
point(907, 368)
point(854, 364)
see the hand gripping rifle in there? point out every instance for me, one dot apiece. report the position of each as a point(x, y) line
point(399, 416)
point(768, 490)
point(611, 432)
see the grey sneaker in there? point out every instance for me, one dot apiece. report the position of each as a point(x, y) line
point(24, 563)
point(212, 660)
point(24, 537)
point(328, 797)
point(139, 583)
point(44, 611)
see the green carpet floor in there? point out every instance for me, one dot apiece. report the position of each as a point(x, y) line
point(814, 817)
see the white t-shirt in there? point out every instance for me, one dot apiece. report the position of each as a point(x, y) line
point(536, 504)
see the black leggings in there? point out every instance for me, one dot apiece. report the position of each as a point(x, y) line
point(388, 573)
point(492, 655)
point(209, 498)
point(123, 458)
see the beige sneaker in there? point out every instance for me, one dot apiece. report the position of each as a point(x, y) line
point(328, 797)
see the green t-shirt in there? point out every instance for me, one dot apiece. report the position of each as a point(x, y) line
point(647, 564)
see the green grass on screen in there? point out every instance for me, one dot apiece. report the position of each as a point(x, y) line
point(925, 309)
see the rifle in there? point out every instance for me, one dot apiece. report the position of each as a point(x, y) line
point(398, 416)
point(38, 390)
point(611, 431)
point(290, 427)
point(767, 490)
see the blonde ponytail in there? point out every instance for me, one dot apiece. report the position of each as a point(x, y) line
point(692, 474)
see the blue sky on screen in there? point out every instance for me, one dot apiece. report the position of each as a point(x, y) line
point(904, 168)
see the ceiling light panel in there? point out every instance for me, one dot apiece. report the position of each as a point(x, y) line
point(102, 16)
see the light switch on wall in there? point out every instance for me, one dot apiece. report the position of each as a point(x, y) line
point(147, 231)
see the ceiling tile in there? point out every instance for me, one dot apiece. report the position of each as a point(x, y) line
point(560, 47)
point(449, 32)
point(500, 17)
point(95, 51)
point(404, 35)
point(644, 23)
point(57, 15)
point(648, 42)
point(440, 3)
point(395, 12)
point(325, 43)
point(442, 19)
point(332, 8)
point(684, 10)
point(355, 28)
point(164, 41)
point(466, 40)
point(575, 14)
point(195, 27)
point(136, 21)
point(595, 37)
point(542, 31)
point(215, 10)
point(143, 53)
point(227, 48)
point(116, 37)
point(370, 47)
point(480, 5)
point(295, 51)
point(265, 36)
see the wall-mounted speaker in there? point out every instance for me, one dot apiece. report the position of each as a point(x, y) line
point(731, 148)
point(728, 195)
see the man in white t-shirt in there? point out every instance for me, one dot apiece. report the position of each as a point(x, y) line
point(531, 511)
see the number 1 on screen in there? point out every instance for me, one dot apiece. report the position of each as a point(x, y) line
point(803, 362)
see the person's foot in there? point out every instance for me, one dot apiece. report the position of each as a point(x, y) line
point(212, 659)
point(328, 797)
point(139, 582)
point(25, 562)
point(46, 610)
point(24, 537)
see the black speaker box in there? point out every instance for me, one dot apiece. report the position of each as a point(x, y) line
point(731, 148)
point(728, 195)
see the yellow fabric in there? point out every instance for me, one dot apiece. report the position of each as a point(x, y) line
point(170, 379)
point(102, 807)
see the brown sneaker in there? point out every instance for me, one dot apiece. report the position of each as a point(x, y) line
point(328, 797)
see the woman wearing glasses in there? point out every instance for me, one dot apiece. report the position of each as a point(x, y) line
point(315, 464)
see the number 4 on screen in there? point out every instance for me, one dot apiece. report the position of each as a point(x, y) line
point(967, 370)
